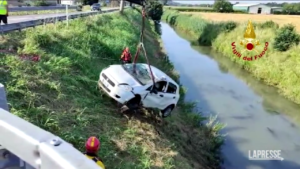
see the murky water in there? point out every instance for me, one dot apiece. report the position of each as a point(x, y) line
point(257, 117)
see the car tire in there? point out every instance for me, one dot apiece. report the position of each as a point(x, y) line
point(167, 111)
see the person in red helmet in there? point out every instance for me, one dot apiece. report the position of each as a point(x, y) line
point(126, 56)
point(92, 146)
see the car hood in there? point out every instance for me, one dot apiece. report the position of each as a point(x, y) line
point(117, 73)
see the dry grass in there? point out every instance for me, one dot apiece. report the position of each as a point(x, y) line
point(280, 19)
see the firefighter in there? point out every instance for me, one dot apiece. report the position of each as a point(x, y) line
point(92, 146)
point(126, 56)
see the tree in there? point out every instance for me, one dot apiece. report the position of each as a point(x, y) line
point(154, 10)
point(293, 8)
point(222, 6)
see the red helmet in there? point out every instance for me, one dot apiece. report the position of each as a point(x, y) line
point(92, 145)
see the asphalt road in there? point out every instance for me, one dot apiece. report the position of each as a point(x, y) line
point(16, 19)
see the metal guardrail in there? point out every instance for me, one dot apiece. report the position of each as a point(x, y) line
point(42, 8)
point(27, 24)
point(37, 147)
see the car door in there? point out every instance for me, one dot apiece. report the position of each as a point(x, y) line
point(170, 94)
point(156, 100)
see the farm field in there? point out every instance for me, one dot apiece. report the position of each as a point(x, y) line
point(280, 19)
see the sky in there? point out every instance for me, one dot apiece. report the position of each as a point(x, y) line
point(241, 1)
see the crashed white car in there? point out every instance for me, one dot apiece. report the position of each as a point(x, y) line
point(129, 88)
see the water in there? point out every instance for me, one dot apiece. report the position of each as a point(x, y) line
point(257, 117)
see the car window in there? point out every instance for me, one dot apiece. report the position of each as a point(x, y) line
point(96, 4)
point(141, 72)
point(161, 86)
point(172, 88)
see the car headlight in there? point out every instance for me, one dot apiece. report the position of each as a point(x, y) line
point(125, 87)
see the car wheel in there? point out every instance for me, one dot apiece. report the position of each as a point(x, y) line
point(167, 111)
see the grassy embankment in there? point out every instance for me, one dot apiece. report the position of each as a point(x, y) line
point(279, 69)
point(59, 94)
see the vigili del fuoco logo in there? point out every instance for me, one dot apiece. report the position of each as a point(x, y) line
point(249, 43)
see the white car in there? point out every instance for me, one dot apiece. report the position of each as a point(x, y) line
point(129, 88)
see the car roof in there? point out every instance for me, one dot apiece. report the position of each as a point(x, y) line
point(158, 74)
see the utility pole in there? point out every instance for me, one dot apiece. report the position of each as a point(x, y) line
point(121, 6)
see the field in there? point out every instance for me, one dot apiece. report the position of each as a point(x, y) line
point(218, 17)
point(59, 94)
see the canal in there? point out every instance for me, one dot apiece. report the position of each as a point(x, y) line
point(256, 116)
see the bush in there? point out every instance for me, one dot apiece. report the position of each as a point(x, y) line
point(222, 6)
point(212, 30)
point(154, 10)
point(268, 24)
point(286, 37)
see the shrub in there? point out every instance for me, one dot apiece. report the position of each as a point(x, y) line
point(286, 37)
point(212, 30)
point(222, 6)
point(154, 10)
point(268, 24)
point(228, 26)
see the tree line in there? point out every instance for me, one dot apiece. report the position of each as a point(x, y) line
point(287, 8)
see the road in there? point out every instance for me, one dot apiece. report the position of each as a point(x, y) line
point(257, 117)
point(16, 19)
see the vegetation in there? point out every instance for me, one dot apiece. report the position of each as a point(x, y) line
point(191, 9)
point(59, 94)
point(276, 68)
point(154, 10)
point(226, 6)
point(222, 6)
point(281, 20)
point(285, 38)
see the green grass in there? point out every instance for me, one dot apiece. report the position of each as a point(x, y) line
point(279, 69)
point(59, 94)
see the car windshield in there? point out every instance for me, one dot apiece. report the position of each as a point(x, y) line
point(142, 74)
point(96, 4)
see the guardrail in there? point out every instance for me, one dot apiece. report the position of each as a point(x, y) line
point(42, 8)
point(27, 24)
